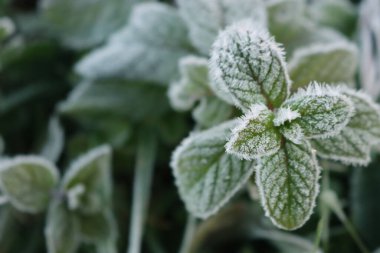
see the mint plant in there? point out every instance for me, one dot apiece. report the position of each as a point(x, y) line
point(279, 135)
point(279, 97)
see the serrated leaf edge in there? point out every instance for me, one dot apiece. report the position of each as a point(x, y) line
point(316, 192)
point(316, 89)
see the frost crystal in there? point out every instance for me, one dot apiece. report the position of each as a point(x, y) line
point(288, 184)
point(324, 111)
point(255, 135)
point(248, 67)
point(285, 115)
point(213, 16)
point(206, 176)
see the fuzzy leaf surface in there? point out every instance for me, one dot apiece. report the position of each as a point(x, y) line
point(28, 182)
point(147, 49)
point(193, 84)
point(91, 174)
point(207, 177)
point(323, 111)
point(62, 229)
point(288, 184)
point(213, 16)
point(255, 135)
point(330, 63)
point(352, 145)
point(248, 67)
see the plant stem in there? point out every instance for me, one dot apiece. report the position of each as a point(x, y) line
point(146, 154)
point(3, 200)
point(190, 228)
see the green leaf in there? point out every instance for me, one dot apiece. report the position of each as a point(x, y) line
point(87, 183)
point(323, 111)
point(207, 177)
point(28, 182)
point(115, 98)
point(62, 229)
point(331, 63)
point(213, 16)
point(255, 135)
point(90, 22)
point(193, 85)
point(288, 184)
point(211, 111)
point(155, 30)
point(248, 67)
point(99, 228)
point(353, 144)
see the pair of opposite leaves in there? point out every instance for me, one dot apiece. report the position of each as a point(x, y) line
point(79, 209)
point(278, 134)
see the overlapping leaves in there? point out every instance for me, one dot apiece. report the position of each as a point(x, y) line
point(248, 69)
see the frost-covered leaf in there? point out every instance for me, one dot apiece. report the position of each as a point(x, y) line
point(135, 101)
point(84, 23)
point(87, 182)
point(255, 135)
point(248, 67)
point(207, 177)
point(292, 132)
point(330, 63)
point(62, 229)
point(28, 182)
point(212, 111)
point(352, 145)
point(288, 184)
point(193, 85)
point(147, 49)
point(53, 145)
point(99, 228)
point(324, 111)
point(213, 16)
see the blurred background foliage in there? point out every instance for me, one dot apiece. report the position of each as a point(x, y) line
point(40, 42)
